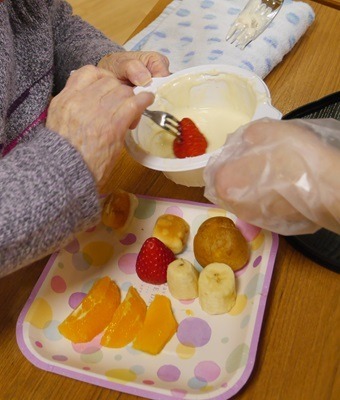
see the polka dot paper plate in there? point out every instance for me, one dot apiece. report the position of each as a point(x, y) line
point(210, 357)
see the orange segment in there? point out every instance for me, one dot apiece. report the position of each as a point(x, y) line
point(126, 322)
point(158, 328)
point(93, 314)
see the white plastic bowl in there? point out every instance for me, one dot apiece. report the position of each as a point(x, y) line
point(213, 94)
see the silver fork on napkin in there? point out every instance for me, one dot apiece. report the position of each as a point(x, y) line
point(252, 21)
point(164, 120)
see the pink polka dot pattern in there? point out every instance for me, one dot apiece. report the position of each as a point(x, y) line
point(207, 371)
point(129, 239)
point(58, 357)
point(89, 347)
point(75, 299)
point(73, 247)
point(194, 332)
point(248, 231)
point(175, 211)
point(257, 261)
point(187, 301)
point(148, 382)
point(168, 373)
point(58, 284)
point(127, 263)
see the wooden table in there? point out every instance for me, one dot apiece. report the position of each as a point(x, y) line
point(298, 356)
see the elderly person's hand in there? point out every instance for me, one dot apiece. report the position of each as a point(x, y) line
point(136, 67)
point(94, 112)
point(279, 175)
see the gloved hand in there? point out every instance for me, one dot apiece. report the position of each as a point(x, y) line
point(283, 176)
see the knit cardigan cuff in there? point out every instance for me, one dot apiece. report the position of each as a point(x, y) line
point(58, 198)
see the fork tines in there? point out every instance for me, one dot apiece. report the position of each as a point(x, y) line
point(164, 120)
point(171, 123)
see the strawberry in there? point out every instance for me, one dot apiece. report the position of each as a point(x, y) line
point(190, 142)
point(153, 260)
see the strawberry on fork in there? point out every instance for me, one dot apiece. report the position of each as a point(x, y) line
point(191, 142)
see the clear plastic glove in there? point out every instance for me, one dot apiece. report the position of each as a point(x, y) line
point(283, 176)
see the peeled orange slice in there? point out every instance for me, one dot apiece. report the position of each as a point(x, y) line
point(93, 314)
point(126, 322)
point(158, 328)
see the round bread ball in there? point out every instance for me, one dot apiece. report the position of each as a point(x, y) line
point(219, 240)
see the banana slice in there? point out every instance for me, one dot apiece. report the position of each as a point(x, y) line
point(182, 278)
point(216, 288)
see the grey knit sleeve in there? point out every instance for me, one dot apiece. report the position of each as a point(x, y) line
point(76, 42)
point(47, 195)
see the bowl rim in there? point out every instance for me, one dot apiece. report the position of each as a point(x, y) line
point(264, 109)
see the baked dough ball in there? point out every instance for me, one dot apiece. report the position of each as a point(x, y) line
point(219, 240)
point(173, 231)
point(118, 209)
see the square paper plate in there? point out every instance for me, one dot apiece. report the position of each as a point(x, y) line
point(210, 357)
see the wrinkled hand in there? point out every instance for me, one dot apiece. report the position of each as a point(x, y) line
point(277, 175)
point(94, 111)
point(136, 67)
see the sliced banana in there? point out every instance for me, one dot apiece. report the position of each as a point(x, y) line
point(216, 288)
point(182, 278)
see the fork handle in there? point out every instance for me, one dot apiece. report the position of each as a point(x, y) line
point(148, 113)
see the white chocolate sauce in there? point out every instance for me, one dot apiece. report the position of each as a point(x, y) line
point(218, 103)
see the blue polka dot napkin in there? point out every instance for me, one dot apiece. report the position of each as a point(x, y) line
point(192, 32)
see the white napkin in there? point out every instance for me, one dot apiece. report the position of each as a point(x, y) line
point(192, 32)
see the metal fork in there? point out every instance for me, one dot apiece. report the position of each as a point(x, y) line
point(164, 120)
point(252, 21)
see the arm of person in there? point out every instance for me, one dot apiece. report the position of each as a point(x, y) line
point(50, 184)
point(76, 42)
point(47, 195)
